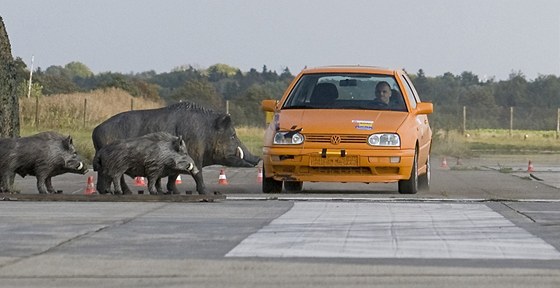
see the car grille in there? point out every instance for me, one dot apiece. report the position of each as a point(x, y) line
point(353, 171)
point(345, 138)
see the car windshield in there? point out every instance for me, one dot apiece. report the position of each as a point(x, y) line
point(346, 91)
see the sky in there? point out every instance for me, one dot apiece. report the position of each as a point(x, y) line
point(490, 38)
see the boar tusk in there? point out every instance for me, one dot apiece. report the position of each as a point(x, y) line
point(81, 166)
point(190, 167)
point(241, 154)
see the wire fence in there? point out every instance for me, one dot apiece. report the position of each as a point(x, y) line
point(511, 118)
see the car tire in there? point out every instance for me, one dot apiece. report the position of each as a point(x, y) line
point(293, 186)
point(424, 179)
point(410, 186)
point(269, 185)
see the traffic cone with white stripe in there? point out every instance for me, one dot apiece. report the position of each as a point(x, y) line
point(139, 181)
point(222, 180)
point(90, 188)
point(444, 163)
point(178, 181)
point(530, 167)
point(259, 175)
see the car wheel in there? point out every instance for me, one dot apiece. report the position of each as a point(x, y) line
point(269, 185)
point(293, 186)
point(424, 179)
point(410, 186)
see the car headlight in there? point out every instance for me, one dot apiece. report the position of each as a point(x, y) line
point(288, 138)
point(384, 139)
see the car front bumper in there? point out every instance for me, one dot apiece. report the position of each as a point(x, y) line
point(337, 165)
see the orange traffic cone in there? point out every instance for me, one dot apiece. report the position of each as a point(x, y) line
point(444, 163)
point(530, 167)
point(178, 181)
point(90, 188)
point(259, 175)
point(139, 181)
point(222, 180)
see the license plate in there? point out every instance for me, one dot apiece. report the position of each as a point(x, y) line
point(333, 161)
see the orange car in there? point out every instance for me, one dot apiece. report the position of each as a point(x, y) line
point(348, 124)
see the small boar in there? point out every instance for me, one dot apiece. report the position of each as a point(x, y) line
point(152, 156)
point(43, 155)
point(210, 136)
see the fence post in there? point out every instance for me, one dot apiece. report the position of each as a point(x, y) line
point(558, 124)
point(85, 110)
point(510, 121)
point(464, 120)
point(37, 112)
point(132, 104)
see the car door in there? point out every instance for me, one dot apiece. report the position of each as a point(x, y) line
point(424, 133)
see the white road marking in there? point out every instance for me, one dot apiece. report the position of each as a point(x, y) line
point(393, 230)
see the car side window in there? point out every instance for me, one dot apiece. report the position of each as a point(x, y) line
point(412, 98)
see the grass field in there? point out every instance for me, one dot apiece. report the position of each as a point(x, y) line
point(65, 114)
point(496, 141)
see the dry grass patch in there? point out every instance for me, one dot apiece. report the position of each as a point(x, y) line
point(79, 110)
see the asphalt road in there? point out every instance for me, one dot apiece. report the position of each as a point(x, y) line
point(476, 227)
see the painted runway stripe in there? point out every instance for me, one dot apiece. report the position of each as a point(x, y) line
point(393, 230)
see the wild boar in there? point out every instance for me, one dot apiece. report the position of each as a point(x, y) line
point(209, 135)
point(153, 156)
point(43, 155)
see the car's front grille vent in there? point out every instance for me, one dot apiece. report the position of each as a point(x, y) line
point(344, 138)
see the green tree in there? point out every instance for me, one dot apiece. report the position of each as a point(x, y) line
point(9, 105)
point(482, 110)
point(23, 89)
point(513, 92)
point(54, 83)
point(246, 110)
point(201, 92)
point(219, 71)
point(78, 69)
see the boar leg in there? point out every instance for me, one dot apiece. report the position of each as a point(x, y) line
point(124, 187)
point(48, 183)
point(200, 187)
point(152, 185)
point(4, 183)
point(117, 185)
point(10, 184)
point(41, 186)
point(102, 183)
point(158, 186)
point(171, 186)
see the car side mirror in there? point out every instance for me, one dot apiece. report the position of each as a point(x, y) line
point(269, 105)
point(425, 108)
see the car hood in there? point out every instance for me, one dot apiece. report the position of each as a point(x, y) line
point(341, 121)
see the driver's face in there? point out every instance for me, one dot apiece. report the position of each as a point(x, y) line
point(383, 93)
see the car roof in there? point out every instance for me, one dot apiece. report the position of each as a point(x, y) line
point(352, 69)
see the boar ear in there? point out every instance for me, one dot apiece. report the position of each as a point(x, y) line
point(177, 143)
point(223, 122)
point(182, 141)
point(68, 142)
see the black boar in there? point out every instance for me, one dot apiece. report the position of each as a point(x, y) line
point(210, 136)
point(153, 156)
point(43, 155)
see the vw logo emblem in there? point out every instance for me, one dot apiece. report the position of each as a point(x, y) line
point(335, 139)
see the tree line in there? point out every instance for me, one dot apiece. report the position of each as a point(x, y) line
point(488, 102)
point(211, 87)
